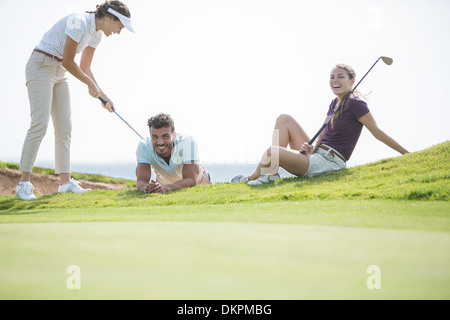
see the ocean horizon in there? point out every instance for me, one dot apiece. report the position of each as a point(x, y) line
point(219, 173)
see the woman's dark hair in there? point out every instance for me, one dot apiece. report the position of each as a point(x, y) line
point(119, 6)
point(161, 120)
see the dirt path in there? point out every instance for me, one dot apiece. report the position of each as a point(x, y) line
point(45, 184)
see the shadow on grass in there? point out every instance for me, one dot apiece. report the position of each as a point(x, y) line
point(323, 178)
point(15, 204)
point(23, 212)
point(11, 204)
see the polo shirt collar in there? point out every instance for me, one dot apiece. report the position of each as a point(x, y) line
point(91, 23)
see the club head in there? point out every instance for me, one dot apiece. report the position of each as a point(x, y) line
point(387, 60)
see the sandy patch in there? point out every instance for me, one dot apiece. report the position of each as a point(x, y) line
point(45, 184)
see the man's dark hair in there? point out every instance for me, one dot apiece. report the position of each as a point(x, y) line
point(161, 120)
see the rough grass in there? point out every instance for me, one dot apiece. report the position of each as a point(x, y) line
point(422, 176)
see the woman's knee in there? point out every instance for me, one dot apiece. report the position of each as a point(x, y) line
point(284, 119)
point(38, 129)
point(63, 130)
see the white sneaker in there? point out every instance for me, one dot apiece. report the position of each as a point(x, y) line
point(268, 178)
point(239, 178)
point(24, 190)
point(72, 186)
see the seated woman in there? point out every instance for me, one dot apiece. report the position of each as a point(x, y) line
point(334, 145)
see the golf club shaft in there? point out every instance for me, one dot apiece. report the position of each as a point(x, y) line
point(341, 104)
point(104, 102)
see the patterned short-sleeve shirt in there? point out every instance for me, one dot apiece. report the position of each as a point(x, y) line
point(80, 27)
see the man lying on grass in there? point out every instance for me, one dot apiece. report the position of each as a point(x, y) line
point(174, 159)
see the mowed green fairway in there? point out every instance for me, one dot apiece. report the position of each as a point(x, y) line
point(277, 250)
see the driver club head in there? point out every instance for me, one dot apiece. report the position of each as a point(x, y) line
point(387, 60)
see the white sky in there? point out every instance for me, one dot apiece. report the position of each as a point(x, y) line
point(226, 69)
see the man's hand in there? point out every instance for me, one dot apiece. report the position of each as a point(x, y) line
point(155, 187)
point(191, 172)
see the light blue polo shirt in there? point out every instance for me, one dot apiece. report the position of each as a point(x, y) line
point(185, 150)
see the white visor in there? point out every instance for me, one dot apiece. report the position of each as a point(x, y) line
point(125, 20)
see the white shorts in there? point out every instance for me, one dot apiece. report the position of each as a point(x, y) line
point(323, 161)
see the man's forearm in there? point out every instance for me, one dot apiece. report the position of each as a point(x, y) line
point(184, 183)
point(140, 185)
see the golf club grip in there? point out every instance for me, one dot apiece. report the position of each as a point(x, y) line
point(102, 100)
point(316, 135)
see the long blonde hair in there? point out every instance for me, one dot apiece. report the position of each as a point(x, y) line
point(351, 74)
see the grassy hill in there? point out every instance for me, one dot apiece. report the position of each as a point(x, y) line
point(295, 239)
point(422, 175)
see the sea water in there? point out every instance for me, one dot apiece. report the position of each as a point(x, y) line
point(219, 173)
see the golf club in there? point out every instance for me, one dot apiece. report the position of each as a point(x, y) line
point(386, 60)
point(104, 102)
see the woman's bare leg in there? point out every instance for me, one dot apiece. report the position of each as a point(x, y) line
point(265, 165)
point(287, 132)
point(293, 161)
point(275, 157)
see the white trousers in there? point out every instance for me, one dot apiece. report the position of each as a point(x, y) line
point(48, 92)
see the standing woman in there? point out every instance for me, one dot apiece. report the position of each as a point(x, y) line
point(48, 89)
point(335, 143)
